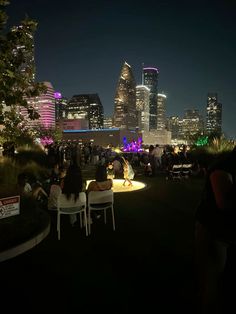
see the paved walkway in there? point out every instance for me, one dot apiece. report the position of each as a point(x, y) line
point(145, 265)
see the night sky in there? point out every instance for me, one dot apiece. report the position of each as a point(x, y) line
point(80, 47)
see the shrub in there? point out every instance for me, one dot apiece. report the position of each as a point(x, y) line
point(220, 145)
point(10, 168)
point(217, 148)
point(26, 154)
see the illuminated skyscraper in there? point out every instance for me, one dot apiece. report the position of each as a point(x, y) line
point(86, 106)
point(214, 115)
point(150, 79)
point(173, 125)
point(161, 112)
point(125, 100)
point(191, 124)
point(108, 122)
point(45, 106)
point(142, 107)
point(60, 105)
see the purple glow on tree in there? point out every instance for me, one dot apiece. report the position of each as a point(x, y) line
point(46, 140)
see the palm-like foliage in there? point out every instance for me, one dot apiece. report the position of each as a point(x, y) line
point(220, 145)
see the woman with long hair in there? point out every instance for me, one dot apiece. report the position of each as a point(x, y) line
point(128, 172)
point(101, 183)
point(72, 185)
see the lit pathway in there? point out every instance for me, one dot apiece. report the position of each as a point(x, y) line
point(118, 186)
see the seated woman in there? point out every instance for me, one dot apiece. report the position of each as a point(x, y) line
point(73, 184)
point(25, 189)
point(55, 190)
point(101, 183)
point(110, 171)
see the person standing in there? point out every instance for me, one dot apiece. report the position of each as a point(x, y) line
point(128, 172)
point(157, 153)
point(215, 231)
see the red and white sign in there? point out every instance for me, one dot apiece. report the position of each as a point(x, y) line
point(9, 206)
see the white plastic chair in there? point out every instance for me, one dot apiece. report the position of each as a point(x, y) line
point(100, 200)
point(175, 172)
point(186, 170)
point(69, 207)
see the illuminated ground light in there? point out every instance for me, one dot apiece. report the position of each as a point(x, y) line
point(118, 186)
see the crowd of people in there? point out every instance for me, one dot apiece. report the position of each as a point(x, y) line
point(66, 178)
point(160, 157)
point(215, 228)
point(67, 160)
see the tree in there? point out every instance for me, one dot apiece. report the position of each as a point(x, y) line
point(47, 135)
point(16, 76)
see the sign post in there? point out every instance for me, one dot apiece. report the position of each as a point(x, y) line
point(9, 206)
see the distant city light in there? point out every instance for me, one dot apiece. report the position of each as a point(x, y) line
point(88, 131)
point(57, 95)
point(142, 86)
point(162, 95)
point(151, 68)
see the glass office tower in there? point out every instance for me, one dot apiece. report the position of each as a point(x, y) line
point(88, 107)
point(161, 112)
point(125, 100)
point(214, 115)
point(142, 107)
point(150, 79)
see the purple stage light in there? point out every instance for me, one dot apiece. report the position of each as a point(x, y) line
point(133, 147)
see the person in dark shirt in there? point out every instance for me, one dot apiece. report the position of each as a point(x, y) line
point(215, 230)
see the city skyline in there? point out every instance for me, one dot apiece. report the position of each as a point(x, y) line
point(80, 48)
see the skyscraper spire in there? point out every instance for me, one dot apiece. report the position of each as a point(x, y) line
point(125, 100)
point(142, 80)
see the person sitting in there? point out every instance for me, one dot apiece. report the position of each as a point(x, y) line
point(73, 184)
point(101, 182)
point(54, 177)
point(25, 189)
point(110, 171)
point(55, 189)
point(148, 169)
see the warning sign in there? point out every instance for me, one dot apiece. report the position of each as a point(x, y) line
point(9, 206)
